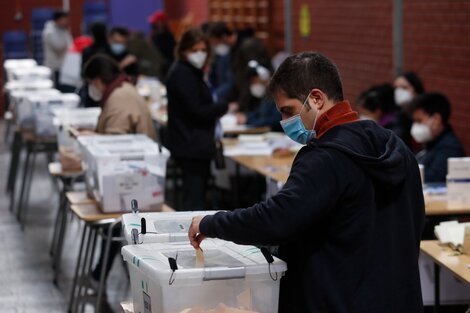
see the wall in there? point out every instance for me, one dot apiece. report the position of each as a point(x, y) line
point(357, 35)
point(437, 47)
point(177, 10)
point(132, 14)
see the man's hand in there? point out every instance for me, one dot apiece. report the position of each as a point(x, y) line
point(195, 237)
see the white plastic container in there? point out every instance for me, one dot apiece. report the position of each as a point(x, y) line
point(12, 64)
point(35, 85)
point(161, 226)
point(43, 107)
point(70, 154)
point(458, 181)
point(30, 74)
point(24, 111)
point(119, 169)
point(233, 275)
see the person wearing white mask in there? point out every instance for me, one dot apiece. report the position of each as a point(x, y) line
point(431, 127)
point(255, 108)
point(222, 40)
point(124, 111)
point(407, 86)
point(192, 117)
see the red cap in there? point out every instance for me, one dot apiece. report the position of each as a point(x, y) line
point(157, 16)
point(81, 43)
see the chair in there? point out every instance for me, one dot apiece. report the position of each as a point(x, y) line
point(15, 45)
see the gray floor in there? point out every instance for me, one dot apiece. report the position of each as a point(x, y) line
point(25, 271)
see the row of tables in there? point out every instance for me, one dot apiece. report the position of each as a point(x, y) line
point(273, 168)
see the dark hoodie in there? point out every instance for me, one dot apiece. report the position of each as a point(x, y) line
point(348, 223)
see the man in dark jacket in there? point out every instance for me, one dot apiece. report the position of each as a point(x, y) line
point(348, 221)
point(431, 113)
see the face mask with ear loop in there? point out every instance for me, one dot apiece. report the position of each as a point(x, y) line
point(295, 129)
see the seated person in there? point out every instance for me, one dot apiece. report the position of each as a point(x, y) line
point(124, 111)
point(431, 127)
point(377, 103)
point(255, 108)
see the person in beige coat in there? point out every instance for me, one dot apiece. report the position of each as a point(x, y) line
point(124, 111)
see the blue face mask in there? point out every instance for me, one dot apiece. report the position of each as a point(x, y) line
point(118, 48)
point(295, 129)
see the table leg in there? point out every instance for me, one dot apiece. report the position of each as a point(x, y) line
point(24, 182)
point(77, 269)
point(60, 240)
point(14, 162)
point(81, 295)
point(25, 205)
point(57, 223)
point(109, 239)
point(87, 268)
point(437, 288)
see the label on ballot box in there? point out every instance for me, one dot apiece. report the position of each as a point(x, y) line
point(131, 182)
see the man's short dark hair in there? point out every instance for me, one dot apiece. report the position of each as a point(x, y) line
point(59, 14)
point(300, 73)
point(103, 67)
point(432, 103)
point(219, 30)
point(119, 31)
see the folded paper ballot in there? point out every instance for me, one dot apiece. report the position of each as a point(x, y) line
point(199, 258)
point(244, 305)
point(454, 234)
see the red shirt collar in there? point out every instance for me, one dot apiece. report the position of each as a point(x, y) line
point(341, 113)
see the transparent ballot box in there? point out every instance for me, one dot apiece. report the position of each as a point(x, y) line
point(70, 154)
point(225, 277)
point(41, 108)
point(121, 168)
point(160, 227)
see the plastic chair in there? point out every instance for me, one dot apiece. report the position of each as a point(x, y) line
point(15, 45)
point(40, 16)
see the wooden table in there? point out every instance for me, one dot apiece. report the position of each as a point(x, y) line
point(55, 169)
point(275, 168)
point(445, 257)
point(95, 223)
point(437, 205)
point(245, 130)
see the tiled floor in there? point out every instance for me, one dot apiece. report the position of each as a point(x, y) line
point(25, 272)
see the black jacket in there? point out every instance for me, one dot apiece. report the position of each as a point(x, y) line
point(435, 154)
point(348, 222)
point(192, 115)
